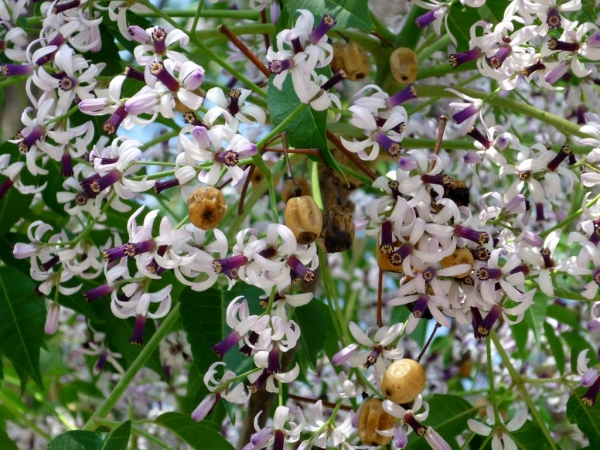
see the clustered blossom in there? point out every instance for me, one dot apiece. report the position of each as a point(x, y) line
point(447, 257)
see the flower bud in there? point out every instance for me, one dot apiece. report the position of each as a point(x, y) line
point(289, 189)
point(303, 217)
point(372, 418)
point(338, 229)
point(207, 207)
point(460, 256)
point(403, 63)
point(403, 381)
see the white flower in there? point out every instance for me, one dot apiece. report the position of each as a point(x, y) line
point(501, 440)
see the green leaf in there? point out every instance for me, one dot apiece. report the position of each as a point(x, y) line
point(305, 131)
point(203, 319)
point(577, 344)
point(118, 438)
point(197, 435)
point(12, 207)
point(448, 415)
point(6, 252)
point(348, 13)
point(78, 440)
point(70, 392)
point(528, 437)
point(78, 303)
point(6, 443)
point(314, 333)
point(586, 417)
point(563, 315)
point(460, 21)
point(556, 347)
point(109, 52)
point(519, 333)
point(495, 10)
point(54, 180)
point(331, 346)
point(23, 317)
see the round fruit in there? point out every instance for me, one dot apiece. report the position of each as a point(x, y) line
point(207, 207)
point(403, 63)
point(460, 256)
point(403, 381)
point(372, 418)
point(304, 218)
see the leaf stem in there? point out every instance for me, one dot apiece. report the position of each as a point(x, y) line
point(563, 125)
point(514, 375)
point(247, 14)
point(330, 293)
point(490, 370)
point(570, 218)
point(135, 367)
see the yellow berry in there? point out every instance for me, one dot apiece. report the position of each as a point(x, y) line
point(303, 217)
point(372, 418)
point(404, 65)
point(403, 381)
point(207, 207)
point(460, 256)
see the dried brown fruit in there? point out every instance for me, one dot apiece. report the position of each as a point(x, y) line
point(403, 381)
point(460, 256)
point(207, 207)
point(303, 217)
point(338, 229)
point(372, 418)
point(457, 191)
point(356, 62)
point(352, 59)
point(337, 63)
point(404, 65)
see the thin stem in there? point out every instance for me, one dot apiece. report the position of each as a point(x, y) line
point(160, 138)
point(429, 50)
point(514, 375)
point(312, 401)
point(282, 126)
point(210, 13)
point(92, 222)
point(224, 29)
point(201, 46)
point(197, 15)
point(258, 161)
point(523, 109)
point(490, 371)
point(351, 156)
point(238, 30)
point(569, 219)
point(330, 294)
point(380, 299)
point(428, 343)
point(135, 367)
